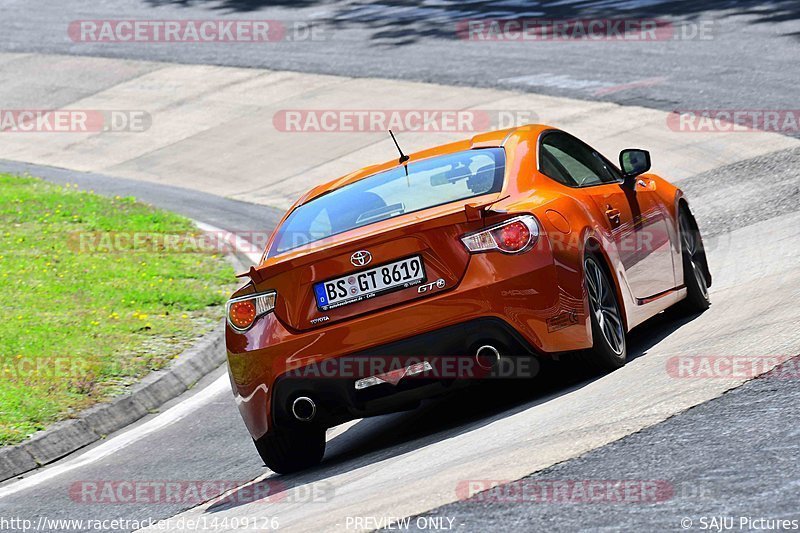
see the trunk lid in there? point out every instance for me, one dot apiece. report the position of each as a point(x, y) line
point(433, 237)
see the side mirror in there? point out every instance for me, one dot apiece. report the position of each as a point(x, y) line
point(634, 162)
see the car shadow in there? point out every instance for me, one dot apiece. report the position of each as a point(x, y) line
point(462, 411)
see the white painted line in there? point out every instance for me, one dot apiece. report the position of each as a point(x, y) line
point(560, 81)
point(238, 243)
point(187, 407)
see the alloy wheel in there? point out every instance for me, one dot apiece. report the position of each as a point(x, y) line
point(604, 305)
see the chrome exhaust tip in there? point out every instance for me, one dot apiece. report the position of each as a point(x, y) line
point(487, 356)
point(304, 408)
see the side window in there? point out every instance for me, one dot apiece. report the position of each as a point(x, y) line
point(571, 162)
point(553, 169)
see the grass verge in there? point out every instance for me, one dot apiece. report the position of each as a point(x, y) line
point(78, 326)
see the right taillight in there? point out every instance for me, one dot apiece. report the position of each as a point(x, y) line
point(243, 311)
point(513, 236)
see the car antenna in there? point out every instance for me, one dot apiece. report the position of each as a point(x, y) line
point(403, 157)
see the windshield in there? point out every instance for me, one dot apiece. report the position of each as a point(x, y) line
point(430, 182)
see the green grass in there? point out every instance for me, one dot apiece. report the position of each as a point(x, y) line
point(78, 327)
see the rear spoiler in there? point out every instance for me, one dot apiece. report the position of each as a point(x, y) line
point(477, 212)
point(260, 273)
point(253, 274)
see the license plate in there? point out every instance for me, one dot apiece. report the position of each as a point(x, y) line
point(369, 283)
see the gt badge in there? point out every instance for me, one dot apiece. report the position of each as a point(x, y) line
point(438, 284)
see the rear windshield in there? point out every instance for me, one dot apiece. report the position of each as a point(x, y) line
point(430, 182)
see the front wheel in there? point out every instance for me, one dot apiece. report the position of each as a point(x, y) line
point(608, 350)
point(695, 270)
point(286, 451)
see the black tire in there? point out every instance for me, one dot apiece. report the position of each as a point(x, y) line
point(696, 277)
point(609, 351)
point(286, 451)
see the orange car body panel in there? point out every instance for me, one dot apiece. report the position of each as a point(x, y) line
point(540, 293)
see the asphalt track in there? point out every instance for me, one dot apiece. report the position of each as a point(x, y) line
point(731, 455)
point(744, 57)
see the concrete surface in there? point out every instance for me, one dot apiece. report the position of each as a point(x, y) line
point(212, 127)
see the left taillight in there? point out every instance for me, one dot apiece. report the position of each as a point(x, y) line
point(243, 311)
point(512, 236)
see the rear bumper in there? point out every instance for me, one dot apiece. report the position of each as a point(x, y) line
point(450, 352)
point(510, 300)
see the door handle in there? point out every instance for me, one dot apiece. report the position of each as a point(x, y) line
point(612, 214)
point(646, 184)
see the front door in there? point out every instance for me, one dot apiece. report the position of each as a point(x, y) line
point(633, 219)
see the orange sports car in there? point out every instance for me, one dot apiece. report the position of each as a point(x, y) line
point(400, 281)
